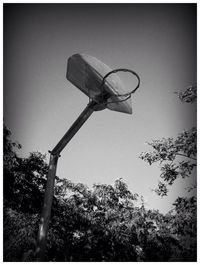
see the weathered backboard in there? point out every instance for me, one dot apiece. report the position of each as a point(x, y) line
point(87, 72)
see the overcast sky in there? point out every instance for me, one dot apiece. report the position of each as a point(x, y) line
point(158, 41)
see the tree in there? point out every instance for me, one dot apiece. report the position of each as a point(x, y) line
point(20, 232)
point(103, 223)
point(183, 223)
point(189, 95)
point(24, 178)
point(23, 187)
point(176, 156)
point(100, 226)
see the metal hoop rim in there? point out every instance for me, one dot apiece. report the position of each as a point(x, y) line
point(123, 70)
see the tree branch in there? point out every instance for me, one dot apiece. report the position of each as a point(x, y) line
point(186, 156)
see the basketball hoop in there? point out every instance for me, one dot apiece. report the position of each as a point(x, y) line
point(100, 83)
point(104, 100)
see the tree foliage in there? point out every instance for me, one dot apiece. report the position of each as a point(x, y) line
point(104, 223)
point(24, 178)
point(189, 95)
point(177, 157)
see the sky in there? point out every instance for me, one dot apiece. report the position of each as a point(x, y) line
point(158, 41)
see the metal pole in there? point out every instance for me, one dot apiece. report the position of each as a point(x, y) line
point(75, 127)
point(49, 192)
point(46, 211)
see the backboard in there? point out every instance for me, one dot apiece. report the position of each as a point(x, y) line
point(86, 73)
